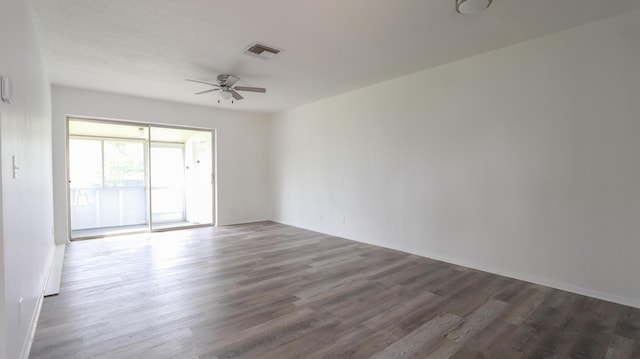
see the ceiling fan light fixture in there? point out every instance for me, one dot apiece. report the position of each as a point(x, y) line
point(225, 95)
point(471, 6)
point(226, 84)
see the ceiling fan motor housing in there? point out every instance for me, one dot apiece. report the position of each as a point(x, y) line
point(223, 78)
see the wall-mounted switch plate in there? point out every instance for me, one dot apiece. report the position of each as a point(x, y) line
point(15, 167)
point(20, 309)
point(5, 89)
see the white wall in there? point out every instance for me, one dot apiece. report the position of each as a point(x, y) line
point(27, 205)
point(524, 161)
point(242, 147)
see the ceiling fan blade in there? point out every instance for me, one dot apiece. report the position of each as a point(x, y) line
point(250, 89)
point(202, 82)
point(231, 80)
point(235, 95)
point(206, 91)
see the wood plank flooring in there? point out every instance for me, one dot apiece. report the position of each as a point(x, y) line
point(266, 290)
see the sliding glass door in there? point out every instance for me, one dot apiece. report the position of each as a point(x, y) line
point(127, 177)
point(107, 179)
point(181, 177)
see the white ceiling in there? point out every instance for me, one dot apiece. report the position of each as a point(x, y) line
point(148, 47)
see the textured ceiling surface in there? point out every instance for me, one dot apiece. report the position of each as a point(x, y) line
point(148, 47)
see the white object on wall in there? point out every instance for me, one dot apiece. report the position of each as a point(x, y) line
point(15, 166)
point(5, 89)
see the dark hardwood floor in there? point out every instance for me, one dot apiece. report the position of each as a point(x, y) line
point(266, 290)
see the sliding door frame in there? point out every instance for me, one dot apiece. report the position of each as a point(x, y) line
point(147, 150)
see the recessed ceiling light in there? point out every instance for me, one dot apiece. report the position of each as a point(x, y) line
point(471, 6)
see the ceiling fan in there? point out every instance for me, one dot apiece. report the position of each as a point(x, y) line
point(227, 88)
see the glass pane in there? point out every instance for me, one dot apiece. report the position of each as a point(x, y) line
point(107, 190)
point(181, 173)
point(85, 163)
point(199, 172)
point(167, 183)
point(123, 164)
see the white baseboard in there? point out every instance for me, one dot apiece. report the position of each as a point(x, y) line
point(499, 271)
point(532, 279)
point(26, 347)
point(55, 275)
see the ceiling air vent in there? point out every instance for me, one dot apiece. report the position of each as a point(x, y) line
point(261, 51)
